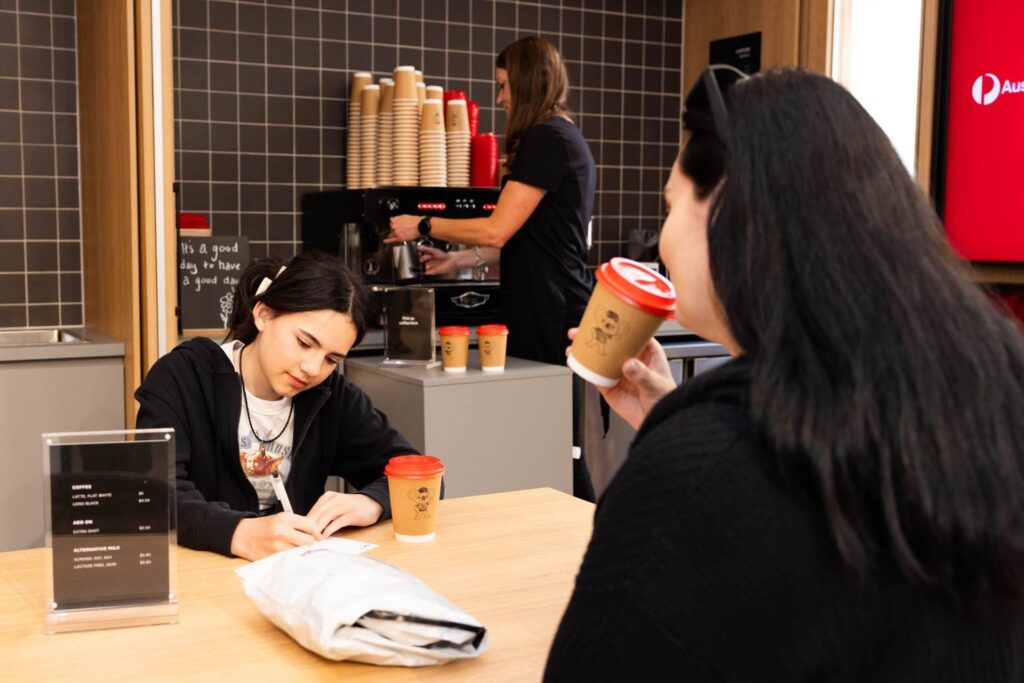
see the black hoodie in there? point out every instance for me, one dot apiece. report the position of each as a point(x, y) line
point(195, 390)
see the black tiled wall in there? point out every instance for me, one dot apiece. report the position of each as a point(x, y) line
point(40, 245)
point(261, 96)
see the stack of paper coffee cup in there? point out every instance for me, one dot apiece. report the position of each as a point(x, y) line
point(353, 175)
point(434, 92)
point(421, 93)
point(405, 128)
point(457, 139)
point(433, 159)
point(368, 135)
point(384, 149)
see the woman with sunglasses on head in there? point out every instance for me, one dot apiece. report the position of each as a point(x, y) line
point(842, 500)
point(543, 212)
point(269, 404)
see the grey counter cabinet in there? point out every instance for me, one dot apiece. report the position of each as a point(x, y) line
point(493, 431)
point(64, 386)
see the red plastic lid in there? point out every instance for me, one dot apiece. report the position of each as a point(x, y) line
point(414, 467)
point(639, 286)
point(454, 331)
point(192, 221)
point(491, 330)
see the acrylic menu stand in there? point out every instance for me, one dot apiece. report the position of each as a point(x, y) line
point(409, 327)
point(111, 532)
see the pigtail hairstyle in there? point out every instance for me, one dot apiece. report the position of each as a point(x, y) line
point(312, 281)
point(538, 84)
point(885, 381)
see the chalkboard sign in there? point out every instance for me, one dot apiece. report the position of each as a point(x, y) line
point(209, 270)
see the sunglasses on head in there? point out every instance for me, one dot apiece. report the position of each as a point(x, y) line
point(707, 97)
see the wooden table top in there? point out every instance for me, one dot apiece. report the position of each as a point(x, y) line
point(509, 559)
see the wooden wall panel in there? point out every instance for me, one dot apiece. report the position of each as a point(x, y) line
point(926, 93)
point(816, 35)
point(707, 20)
point(793, 32)
point(109, 172)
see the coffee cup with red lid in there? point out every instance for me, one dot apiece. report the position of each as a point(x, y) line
point(628, 305)
point(414, 486)
point(454, 347)
point(493, 342)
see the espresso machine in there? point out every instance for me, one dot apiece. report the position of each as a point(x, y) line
point(353, 224)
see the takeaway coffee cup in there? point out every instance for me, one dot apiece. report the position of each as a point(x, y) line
point(629, 302)
point(454, 347)
point(492, 340)
point(405, 82)
point(414, 483)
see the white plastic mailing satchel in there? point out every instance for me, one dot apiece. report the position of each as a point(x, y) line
point(348, 607)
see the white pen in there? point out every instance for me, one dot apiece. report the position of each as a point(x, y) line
point(282, 495)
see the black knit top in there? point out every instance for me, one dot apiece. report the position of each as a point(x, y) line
point(705, 565)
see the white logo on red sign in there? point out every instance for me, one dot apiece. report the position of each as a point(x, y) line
point(982, 96)
point(987, 87)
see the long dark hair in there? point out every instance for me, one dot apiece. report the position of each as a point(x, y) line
point(538, 83)
point(311, 281)
point(879, 371)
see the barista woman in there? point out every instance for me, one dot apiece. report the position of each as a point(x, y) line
point(541, 219)
point(269, 405)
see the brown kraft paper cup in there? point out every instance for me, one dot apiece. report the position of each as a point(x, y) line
point(387, 95)
point(492, 341)
point(454, 348)
point(370, 100)
point(431, 118)
point(359, 79)
point(405, 83)
point(616, 326)
point(414, 485)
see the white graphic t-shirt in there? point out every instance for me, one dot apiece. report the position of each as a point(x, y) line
point(268, 417)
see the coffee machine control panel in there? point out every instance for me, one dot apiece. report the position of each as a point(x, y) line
point(383, 203)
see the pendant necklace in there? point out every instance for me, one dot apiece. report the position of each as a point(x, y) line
point(245, 399)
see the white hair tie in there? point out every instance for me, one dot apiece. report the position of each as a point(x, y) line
point(266, 282)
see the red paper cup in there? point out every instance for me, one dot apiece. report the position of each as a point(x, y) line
point(473, 110)
point(484, 153)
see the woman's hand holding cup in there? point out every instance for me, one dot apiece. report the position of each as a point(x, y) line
point(646, 379)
